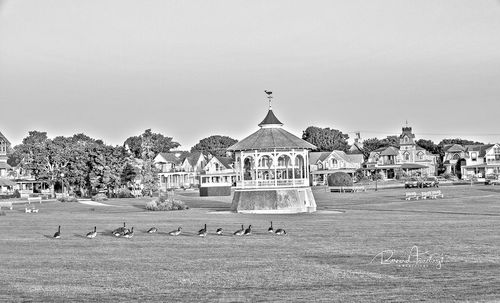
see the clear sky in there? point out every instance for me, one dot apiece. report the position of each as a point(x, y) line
point(191, 69)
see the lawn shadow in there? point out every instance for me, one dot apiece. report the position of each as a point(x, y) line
point(79, 236)
point(49, 236)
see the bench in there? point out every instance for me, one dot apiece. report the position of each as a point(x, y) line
point(6, 204)
point(425, 195)
point(34, 199)
point(412, 195)
point(343, 189)
point(436, 193)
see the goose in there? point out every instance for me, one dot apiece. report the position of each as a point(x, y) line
point(120, 231)
point(239, 232)
point(34, 210)
point(219, 231)
point(203, 232)
point(280, 231)
point(248, 231)
point(129, 234)
point(27, 210)
point(57, 235)
point(175, 232)
point(152, 230)
point(92, 234)
point(270, 229)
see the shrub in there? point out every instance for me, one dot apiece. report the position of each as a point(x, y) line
point(124, 193)
point(165, 205)
point(339, 179)
point(68, 199)
point(16, 194)
point(100, 197)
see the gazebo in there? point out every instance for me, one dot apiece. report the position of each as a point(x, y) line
point(272, 171)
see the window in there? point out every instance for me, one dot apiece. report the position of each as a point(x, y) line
point(473, 156)
point(456, 156)
point(406, 139)
point(420, 155)
point(406, 156)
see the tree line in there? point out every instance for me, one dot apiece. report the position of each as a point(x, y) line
point(88, 165)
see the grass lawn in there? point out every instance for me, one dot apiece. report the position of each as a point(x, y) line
point(326, 256)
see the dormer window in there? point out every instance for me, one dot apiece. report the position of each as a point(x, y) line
point(473, 156)
point(406, 139)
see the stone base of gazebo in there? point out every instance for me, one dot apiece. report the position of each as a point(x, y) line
point(274, 201)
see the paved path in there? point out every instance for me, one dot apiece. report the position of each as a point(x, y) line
point(93, 203)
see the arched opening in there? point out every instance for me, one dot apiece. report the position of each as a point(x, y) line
point(299, 167)
point(284, 170)
point(458, 168)
point(265, 162)
point(247, 168)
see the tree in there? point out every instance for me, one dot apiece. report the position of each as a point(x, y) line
point(159, 143)
point(390, 141)
point(149, 171)
point(44, 158)
point(372, 144)
point(429, 146)
point(459, 142)
point(326, 139)
point(216, 145)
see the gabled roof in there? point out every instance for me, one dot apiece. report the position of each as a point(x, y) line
point(171, 157)
point(481, 149)
point(314, 157)
point(453, 148)
point(193, 157)
point(390, 151)
point(225, 161)
point(4, 138)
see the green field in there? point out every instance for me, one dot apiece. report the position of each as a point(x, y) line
point(326, 256)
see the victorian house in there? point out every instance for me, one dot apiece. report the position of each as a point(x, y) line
point(219, 171)
point(6, 185)
point(322, 164)
point(408, 158)
point(472, 160)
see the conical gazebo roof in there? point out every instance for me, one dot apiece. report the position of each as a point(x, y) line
point(271, 135)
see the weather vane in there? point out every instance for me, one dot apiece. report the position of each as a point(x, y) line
point(270, 97)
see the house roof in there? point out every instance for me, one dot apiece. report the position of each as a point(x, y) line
point(356, 158)
point(226, 161)
point(390, 151)
point(314, 157)
point(4, 165)
point(193, 157)
point(171, 157)
point(6, 182)
point(451, 148)
point(271, 136)
point(4, 138)
point(481, 149)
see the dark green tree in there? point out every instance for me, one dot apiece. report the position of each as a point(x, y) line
point(326, 139)
point(159, 143)
point(216, 145)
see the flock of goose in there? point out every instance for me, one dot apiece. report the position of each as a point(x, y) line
point(124, 232)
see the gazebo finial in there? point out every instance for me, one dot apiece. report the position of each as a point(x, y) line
point(270, 97)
